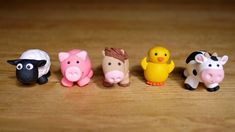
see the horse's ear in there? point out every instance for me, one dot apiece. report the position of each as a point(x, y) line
point(103, 53)
point(123, 52)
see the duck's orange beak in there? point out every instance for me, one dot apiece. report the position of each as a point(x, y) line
point(160, 59)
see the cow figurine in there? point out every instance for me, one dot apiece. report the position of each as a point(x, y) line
point(115, 67)
point(75, 68)
point(206, 68)
point(32, 66)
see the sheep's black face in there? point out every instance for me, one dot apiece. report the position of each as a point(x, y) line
point(27, 70)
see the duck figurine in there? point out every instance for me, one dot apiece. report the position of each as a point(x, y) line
point(155, 66)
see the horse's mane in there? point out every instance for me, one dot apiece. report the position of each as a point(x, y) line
point(116, 53)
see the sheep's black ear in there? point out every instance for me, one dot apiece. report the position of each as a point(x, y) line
point(40, 63)
point(13, 62)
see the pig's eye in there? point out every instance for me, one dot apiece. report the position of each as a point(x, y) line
point(209, 65)
point(217, 65)
point(68, 62)
point(119, 63)
point(77, 62)
point(109, 63)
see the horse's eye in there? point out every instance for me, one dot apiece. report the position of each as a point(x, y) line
point(209, 65)
point(68, 62)
point(29, 66)
point(119, 63)
point(19, 66)
point(109, 63)
point(77, 62)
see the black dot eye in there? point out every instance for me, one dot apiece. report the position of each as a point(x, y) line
point(217, 65)
point(165, 54)
point(119, 63)
point(77, 62)
point(155, 54)
point(209, 65)
point(68, 62)
point(109, 63)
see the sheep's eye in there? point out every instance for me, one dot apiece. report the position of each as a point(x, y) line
point(77, 62)
point(165, 54)
point(109, 63)
point(68, 62)
point(19, 66)
point(155, 54)
point(217, 65)
point(119, 63)
point(209, 65)
point(29, 66)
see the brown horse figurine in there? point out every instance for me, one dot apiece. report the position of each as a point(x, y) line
point(115, 67)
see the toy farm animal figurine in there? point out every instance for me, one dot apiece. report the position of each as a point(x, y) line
point(156, 69)
point(205, 68)
point(75, 67)
point(32, 66)
point(115, 67)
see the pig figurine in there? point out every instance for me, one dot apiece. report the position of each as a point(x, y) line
point(206, 68)
point(115, 66)
point(75, 67)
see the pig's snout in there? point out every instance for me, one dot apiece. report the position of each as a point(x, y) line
point(73, 74)
point(114, 76)
point(211, 76)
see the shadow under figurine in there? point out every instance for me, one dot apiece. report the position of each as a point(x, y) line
point(115, 67)
point(206, 68)
point(33, 66)
point(75, 67)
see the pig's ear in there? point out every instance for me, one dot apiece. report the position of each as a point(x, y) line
point(200, 58)
point(103, 53)
point(63, 56)
point(82, 54)
point(224, 59)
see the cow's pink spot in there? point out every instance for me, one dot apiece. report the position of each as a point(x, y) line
point(114, 76)
point(73, 74)
point(210, 76)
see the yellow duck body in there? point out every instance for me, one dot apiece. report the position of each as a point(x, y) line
point(156, 69)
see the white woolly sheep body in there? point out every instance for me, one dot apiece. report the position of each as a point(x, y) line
point(36, 54)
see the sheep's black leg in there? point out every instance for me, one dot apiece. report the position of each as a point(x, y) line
point(43, 79)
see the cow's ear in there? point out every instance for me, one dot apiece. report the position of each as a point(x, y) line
point(200, 58)
point(63, 56)
point(224, 59)
point(13, 62)
point(82, 54)
point(103, 53)
point(40, 63)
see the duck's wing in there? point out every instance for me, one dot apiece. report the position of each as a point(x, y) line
point(144, 63)
point(171, 67)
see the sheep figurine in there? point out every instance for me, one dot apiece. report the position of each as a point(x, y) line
point(32, 66)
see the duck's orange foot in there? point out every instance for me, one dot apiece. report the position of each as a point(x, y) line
point(155, 83)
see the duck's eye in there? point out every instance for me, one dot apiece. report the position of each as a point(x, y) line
point(109, 63)
point(29, 66)
point(68, 62)
point(19, 66)
point(209, 65)
point(119, 63)
point(77, 62)
point(155, 54)
point(217, 65)
point(165, 54)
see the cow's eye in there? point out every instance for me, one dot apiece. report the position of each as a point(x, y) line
point(217, 65)
point(29, 66)
point(209, 65)
point(109, 63)
point(68, 62)
point(19, 66)
point(119, 63)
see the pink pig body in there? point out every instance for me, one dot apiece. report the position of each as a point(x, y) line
point(75, 67)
